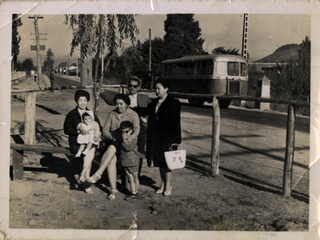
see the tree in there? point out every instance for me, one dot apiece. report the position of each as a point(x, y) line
point(18, 66)
point(183, 36)
point(222, 50)
point(130, 61)
point(158, 54)
point(98, 35)
point(48, 63)
point(16, 22)
point(293, 80)
point(27, 65)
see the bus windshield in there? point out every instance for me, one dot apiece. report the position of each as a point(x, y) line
point(233, 68)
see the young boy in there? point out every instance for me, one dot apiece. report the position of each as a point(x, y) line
point(129, 158)
point(93, 135)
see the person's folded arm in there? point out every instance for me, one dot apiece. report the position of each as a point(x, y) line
point(106, 129)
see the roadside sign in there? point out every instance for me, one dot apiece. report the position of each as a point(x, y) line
point(39, 39)
point(34, 47)
point(39, 33)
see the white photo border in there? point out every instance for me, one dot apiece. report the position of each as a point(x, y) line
point(7, 8)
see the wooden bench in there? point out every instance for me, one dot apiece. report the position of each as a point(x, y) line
point(17, 155)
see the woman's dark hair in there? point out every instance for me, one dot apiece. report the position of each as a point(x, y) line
point(126, 124)
point(163, 82)
point(123, 97)
point(81, 93)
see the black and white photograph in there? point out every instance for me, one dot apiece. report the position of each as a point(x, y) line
point(171, 122)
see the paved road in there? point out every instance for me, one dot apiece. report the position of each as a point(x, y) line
point(274, 119)
point(62, 81)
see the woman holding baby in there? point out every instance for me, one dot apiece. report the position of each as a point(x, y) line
point(74, 126)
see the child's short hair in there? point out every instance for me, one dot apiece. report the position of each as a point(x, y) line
point(88, 113)
point(126, 124)
point(85, 115)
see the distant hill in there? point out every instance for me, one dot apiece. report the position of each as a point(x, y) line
point(282, 54)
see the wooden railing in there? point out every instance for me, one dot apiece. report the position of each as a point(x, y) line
point(214, 170)
point(290, 136)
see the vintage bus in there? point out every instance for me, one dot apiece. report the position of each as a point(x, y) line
point(219, 74)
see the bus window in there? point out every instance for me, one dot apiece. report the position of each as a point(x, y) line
point(202, 67)
point(221, 68)
point(184, 69)
point(233, 68)
point(196, 68)
point(165, 70)
point(169, 70)
point(209, 68)
point(175, 69)
point(179, 69)
point(191, 68)
point(243, 69)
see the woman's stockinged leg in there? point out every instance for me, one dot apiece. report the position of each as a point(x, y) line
point(112, 173)
point(162, 178)
point(105, 161)
point(168, 175)
point(87, 163)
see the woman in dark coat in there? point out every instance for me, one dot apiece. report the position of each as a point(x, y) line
point(72, 129)
point(164, 129)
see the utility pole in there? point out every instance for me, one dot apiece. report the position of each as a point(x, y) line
point(68, 66)
point(149, 49)
point(244, 52)
point(77, 65)
point(36, 31)
point(149, 68)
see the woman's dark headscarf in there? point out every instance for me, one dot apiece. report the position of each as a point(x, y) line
point(123, 97)
point(81, 93)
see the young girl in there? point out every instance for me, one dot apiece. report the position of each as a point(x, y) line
point(129, 157)
point(93, 135)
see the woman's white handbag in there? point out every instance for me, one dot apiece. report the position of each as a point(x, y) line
point(175, 159)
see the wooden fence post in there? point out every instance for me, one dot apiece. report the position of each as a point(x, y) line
point(288, 161)
point(17, 165)
point(215, 138)
point(30, 118)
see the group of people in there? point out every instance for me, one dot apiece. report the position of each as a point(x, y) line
point(136, 124)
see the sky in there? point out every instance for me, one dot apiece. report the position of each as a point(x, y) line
point(266, 32)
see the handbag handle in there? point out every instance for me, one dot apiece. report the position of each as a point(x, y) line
point(174, 144)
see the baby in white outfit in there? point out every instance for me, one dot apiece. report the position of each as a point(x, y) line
point(92, 133)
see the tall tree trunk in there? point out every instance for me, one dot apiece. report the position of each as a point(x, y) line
point(95, 90)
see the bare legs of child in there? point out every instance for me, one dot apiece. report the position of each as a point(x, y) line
point(165, 186)
point(134, 183)
point(81, 148)
point(84, 147)
point(108, 161)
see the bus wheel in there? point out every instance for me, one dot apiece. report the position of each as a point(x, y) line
point(224, 103)
point(196, 102)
